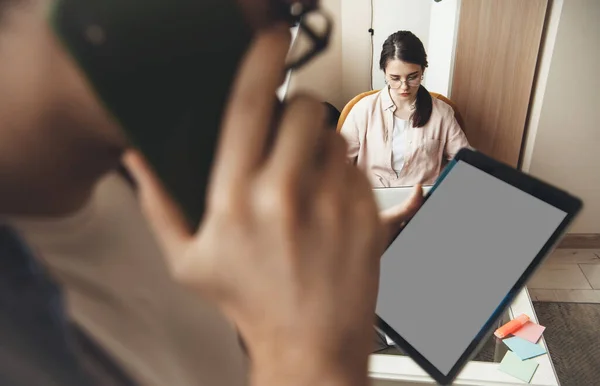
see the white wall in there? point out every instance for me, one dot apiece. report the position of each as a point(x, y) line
point(443, 30)
point(564, 148)
point(322, 77)
point(541, 80)
point(356, 47)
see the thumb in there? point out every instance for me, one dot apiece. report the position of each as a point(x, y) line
point(394, 218)
point(165, 217)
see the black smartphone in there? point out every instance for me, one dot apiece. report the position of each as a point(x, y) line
point(164, 69)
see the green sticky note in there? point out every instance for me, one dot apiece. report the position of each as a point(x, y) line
point(523, 370)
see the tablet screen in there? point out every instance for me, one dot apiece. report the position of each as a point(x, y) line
point(458, 258)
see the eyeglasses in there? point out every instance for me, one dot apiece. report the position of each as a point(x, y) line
point(410, 82)
point(314, 31)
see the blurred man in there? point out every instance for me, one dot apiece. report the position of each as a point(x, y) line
point(122, 320)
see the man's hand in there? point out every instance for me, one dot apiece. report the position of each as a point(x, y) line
point(260, 14)
point(290, 242)
point(394, 218)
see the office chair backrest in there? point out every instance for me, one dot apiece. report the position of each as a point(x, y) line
point(350, 105)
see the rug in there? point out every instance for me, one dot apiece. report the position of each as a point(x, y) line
point(573, 338)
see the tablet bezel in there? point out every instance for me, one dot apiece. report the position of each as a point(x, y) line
point(541, 190)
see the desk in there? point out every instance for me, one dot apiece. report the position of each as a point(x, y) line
point(395, 370)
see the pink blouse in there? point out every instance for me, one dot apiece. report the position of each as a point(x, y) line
point(368, 129)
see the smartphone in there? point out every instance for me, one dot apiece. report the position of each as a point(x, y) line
point(163, 69)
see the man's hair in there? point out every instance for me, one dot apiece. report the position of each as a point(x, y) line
point(4, 4)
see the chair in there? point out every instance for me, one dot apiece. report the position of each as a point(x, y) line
point(333, 115)
point(350, 105)
point(357, 98)
point(457, 115)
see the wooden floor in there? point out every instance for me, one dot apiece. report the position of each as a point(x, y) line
point(568, 275)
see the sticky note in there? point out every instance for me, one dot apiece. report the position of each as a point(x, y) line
point(523, 370)
point(530, 331)
point(524, 349)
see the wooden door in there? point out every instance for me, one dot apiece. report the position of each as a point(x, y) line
point(496, 55)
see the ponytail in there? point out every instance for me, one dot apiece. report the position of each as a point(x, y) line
point(424, 105)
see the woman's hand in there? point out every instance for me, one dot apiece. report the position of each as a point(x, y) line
point(290, 244)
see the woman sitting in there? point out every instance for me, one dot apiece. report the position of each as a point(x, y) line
point(401, 136)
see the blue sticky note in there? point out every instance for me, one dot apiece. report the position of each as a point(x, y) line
point(523, 370)
point(523, 348)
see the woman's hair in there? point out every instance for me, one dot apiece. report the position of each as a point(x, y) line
point(405, 46)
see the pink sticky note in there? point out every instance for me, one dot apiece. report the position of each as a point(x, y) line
point(530, 331)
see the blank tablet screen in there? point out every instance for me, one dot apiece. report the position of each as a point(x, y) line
point(458, 258)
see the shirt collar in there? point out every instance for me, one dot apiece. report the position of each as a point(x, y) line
point(386, 100)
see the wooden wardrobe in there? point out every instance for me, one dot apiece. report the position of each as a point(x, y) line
point(497, 50)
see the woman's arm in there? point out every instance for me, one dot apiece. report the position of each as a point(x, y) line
point(350, 133)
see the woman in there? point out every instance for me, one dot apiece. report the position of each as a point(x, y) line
point(401, 136)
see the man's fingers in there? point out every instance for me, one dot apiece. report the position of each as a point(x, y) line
point(300, 138)
point(393, 218)
point(249, 114)
point(403, 212)
point(165, 217)
point(334, 162)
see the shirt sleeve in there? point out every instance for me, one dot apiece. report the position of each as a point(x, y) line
point(350, 132)
point(455, 139)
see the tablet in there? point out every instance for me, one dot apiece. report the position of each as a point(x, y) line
point(460, 261)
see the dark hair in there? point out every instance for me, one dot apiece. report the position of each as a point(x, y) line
point(4, 5)
point(405, 46)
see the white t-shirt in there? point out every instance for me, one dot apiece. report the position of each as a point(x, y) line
point(399, 143)
point(119, 291)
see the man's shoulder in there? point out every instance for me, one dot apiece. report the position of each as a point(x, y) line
point(35, 332)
